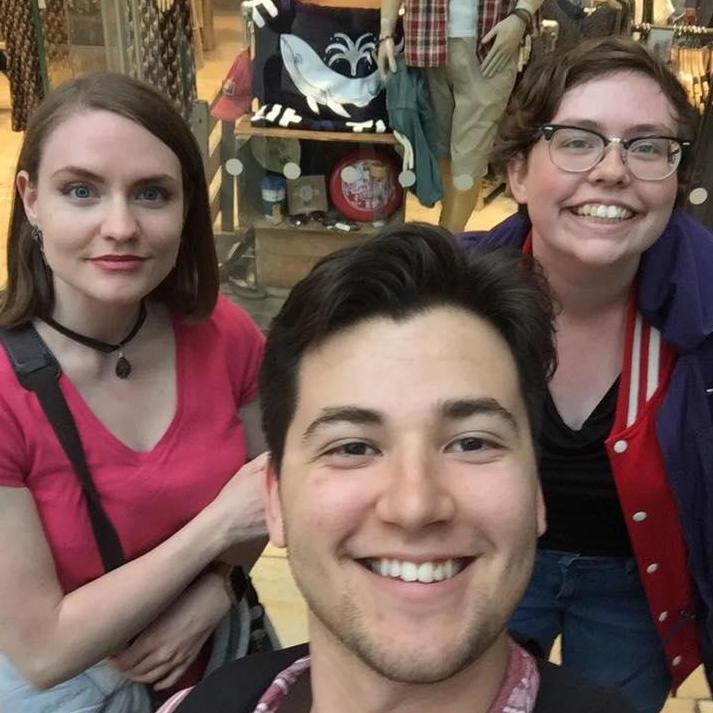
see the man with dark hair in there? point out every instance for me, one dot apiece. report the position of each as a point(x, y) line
point(402, 383)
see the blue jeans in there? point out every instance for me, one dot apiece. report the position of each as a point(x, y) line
point(599, 607)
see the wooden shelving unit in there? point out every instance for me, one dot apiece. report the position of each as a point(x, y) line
point(285, 253)
point(245, 130)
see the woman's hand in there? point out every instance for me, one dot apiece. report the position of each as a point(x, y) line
point(240, 504)
point(162, 653)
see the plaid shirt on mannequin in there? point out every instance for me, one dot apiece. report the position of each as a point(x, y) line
point(426, 32)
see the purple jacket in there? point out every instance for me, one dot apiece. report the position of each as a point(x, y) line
point(675, 295)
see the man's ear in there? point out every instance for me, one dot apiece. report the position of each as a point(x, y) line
point(273, 506)
point(541, 512)
point(28, 195)
point(517, 178)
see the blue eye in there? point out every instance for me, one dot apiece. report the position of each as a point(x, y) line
point(80, 191)
point(650, 148)
point(152, 194)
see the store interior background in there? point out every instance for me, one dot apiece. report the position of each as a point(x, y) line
point(271, 574)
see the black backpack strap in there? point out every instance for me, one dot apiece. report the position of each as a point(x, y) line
point(238, 686)
point(38, 371)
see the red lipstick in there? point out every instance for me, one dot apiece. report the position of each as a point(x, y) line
point(118, 263)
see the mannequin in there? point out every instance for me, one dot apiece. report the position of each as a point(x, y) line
point(469, 50)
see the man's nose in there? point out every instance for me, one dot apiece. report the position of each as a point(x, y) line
point(415, 494)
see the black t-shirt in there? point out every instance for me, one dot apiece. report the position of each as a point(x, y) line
point(583, 510)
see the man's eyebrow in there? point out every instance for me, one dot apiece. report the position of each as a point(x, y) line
point(348, 414)
point(465, 408)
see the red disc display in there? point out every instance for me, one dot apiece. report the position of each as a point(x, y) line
point(364, 185)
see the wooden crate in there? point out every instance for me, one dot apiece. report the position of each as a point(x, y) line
point(284, 255)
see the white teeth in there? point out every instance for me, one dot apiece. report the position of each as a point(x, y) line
point(409, 571)
point(425, 572)
point(604, 212)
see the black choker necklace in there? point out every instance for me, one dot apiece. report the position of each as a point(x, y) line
point(123, 367)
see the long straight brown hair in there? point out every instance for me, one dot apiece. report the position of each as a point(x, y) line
point(191, 288)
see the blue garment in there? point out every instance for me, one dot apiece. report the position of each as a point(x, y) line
point(600, 608)
point(99, 689)
point(675, 295)
point(102, 689)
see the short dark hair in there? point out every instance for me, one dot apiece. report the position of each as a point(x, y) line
point(405, 270)
point(537, 98)
point(191, 288)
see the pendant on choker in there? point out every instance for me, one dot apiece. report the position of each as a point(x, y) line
point(123, 367)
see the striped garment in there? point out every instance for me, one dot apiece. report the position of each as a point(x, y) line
point(645, 494)
point(517, 694)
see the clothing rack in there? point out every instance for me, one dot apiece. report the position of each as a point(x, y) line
point(677, 30)
point(700, 170)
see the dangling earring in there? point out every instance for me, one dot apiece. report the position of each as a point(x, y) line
point(37, 236)
point(39, 239)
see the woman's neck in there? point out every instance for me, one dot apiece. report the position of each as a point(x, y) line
point(583, 290)
point(106, 321)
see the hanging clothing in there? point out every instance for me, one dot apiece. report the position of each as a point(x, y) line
point(410, 113)
point(315, 68)
point(165, 51)
point(26, 89)
point(426, 29)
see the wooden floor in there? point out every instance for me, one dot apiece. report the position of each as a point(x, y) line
point(271, 574)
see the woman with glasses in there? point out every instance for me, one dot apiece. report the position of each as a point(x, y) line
point(593, 144)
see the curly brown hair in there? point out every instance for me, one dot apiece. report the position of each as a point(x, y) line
point(536, 100)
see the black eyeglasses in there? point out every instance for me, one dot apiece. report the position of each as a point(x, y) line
point(649, 158)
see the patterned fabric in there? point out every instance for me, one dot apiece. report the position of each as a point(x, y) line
point(274, 696)
point(426, 29)
point(26, 89)
point(517, 694)
point(56, 29)
point(165, 49)
point(314, 67)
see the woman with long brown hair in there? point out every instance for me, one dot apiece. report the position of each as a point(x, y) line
point(111, 260)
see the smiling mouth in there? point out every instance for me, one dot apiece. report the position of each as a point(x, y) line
point(603, 212)
point(422, 572)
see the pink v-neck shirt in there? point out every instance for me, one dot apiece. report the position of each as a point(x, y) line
point(148, 495)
